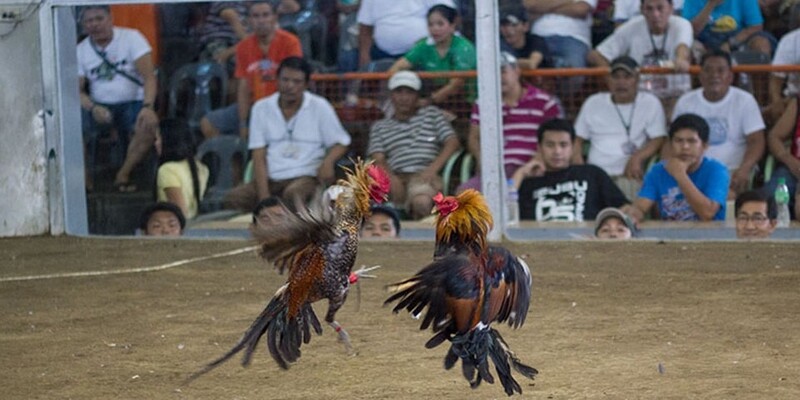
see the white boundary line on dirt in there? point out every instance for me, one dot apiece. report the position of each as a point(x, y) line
point(128, 271)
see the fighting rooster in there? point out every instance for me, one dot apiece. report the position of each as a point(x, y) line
point(468, 286)
point(319, 252)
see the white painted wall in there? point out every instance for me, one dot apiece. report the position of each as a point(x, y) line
point(23, 169)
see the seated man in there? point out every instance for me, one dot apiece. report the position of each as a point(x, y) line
point(729, 25)
point(736, 128)
point(296, 140)
point(383, 223)
point(551, 189)
point(162, 219)
point(612, 223)
point(118, 88)
point(257, 59)
point(687, 186)
point(412, 145)
point(656, 38)
point(625, 127)
point(756, 215)
point(524, 108)
point(517, 39)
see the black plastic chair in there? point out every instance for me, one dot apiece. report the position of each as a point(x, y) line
point(194, 90)
point(219, 153)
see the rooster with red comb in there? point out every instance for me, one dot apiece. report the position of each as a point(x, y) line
point(318, 249)
point(468, 286)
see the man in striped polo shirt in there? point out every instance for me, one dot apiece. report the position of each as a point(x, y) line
point(413, 144)
point(525, 107)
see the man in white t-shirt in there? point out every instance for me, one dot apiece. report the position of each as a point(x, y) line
point(625, 128)
point(296, 140)
point(118, 88)
point(737, 129)
point(655, 38)
point(389, 28)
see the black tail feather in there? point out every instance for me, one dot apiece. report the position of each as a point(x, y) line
point(475, 349)
point(284, 336)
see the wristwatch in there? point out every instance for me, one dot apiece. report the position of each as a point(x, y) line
point(147, 105)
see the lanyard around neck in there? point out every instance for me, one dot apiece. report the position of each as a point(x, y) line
point(626, 125)
point(656, 50)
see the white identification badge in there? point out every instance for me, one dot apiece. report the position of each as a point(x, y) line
point(628, 148)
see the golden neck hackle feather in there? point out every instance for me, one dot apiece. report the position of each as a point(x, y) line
point(469, 222)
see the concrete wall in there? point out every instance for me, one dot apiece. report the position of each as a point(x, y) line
point(23, 167)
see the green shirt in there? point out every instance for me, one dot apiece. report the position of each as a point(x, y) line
point(460, 57)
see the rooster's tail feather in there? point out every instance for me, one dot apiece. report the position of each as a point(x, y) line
point(283, 335)
point(475, 348)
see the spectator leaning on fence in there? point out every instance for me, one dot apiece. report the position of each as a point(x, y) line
point(756, 215)
point(734, 118)
point(624, 126)
point(162, 219)
point(687, 186)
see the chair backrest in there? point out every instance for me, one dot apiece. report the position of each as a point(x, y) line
point(197, 79)
point(225, 149)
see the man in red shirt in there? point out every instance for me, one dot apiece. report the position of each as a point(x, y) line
point(257, 59)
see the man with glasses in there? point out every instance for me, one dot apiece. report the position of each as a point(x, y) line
point(756, 215)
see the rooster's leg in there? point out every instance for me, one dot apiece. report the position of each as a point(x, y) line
point(330, 318)
point(343, 337)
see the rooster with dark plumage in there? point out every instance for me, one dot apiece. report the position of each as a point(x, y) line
point(318, 250)
point(468, 286)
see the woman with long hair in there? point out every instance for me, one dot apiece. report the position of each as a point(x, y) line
point(181, 178)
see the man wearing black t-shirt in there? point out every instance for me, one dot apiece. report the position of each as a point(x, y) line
point(517, 39)
point(550, 189)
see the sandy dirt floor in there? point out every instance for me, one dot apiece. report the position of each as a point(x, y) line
point(642, 320)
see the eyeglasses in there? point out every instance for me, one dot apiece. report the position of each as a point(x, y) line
point(757, 219)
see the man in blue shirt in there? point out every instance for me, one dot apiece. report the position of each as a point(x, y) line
point(687, 186)
point(729, 25)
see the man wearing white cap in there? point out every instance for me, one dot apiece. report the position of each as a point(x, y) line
point(413, 145)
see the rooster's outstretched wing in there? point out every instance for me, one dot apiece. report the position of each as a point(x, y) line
point(509, 288)
point(450, 288)
point(294, 235)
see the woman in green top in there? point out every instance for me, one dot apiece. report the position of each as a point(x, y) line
point(444, 50)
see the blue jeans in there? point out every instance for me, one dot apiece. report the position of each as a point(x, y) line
point(791, 182)
point(123, 120)
point(567, 52)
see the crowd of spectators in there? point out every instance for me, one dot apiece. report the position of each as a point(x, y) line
point(609, 154)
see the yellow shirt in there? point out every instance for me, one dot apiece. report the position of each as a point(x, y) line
point(176, 174)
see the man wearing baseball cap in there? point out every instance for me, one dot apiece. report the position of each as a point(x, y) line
point(625, 127)
point(413, 144)
point(517, 39)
